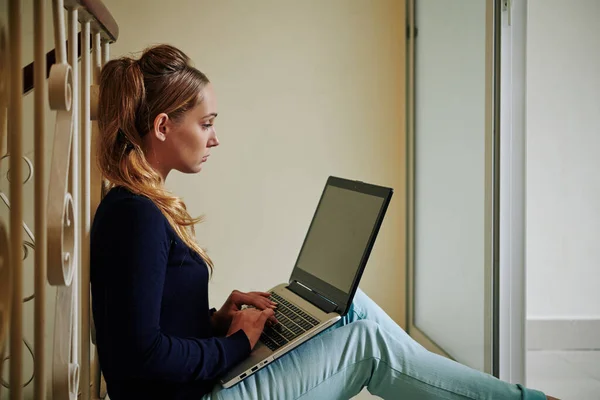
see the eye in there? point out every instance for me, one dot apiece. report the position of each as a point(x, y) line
point(206, 126)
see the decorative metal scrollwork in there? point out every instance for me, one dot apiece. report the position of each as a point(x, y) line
point(61, 220)
point(61, 235)
point(60, 203)
point(27, 245)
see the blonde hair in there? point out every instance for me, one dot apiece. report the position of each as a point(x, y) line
point(132, 93)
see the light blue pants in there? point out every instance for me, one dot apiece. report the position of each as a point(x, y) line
point(367, 348)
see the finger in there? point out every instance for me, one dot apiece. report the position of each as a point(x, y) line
point(262, 294)
point(263, 305)
point(266, 296)
point(269, 304)
point(258, 302)
point(266, 314)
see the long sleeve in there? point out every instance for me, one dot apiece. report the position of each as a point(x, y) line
point(130, 250)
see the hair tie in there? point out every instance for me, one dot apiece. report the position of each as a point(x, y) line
point(122, 138)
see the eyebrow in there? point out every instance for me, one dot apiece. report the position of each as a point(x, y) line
point(211, 115)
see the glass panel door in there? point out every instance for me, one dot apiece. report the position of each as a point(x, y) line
point(453, 179)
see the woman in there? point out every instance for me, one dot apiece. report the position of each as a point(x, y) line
point(156, 337)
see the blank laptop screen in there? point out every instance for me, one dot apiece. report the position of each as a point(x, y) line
point(339, 235)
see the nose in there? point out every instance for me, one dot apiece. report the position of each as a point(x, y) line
point(213, 141)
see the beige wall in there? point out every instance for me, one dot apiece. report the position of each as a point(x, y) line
point(562, 161)
point(306, 90)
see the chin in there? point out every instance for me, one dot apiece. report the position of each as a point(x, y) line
point(191, 170)
point(197, 168)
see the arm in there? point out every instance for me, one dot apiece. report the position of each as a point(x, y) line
point(134, 262)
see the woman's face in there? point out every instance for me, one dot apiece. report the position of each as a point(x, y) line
point(194, 135)
point(184, 145)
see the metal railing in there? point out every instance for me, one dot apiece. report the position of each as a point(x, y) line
point(63, 209)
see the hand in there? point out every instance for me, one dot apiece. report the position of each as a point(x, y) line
point(251, 321)
point(221, 320)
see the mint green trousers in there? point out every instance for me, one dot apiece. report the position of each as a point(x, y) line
point(366, 348)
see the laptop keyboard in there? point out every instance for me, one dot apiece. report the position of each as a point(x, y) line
point(292, 323)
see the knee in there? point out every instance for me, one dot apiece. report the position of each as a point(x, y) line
point(367, 329)
point(367, 339)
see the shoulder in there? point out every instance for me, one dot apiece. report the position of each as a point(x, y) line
point(126, 210)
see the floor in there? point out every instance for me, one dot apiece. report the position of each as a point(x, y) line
point(567, 375)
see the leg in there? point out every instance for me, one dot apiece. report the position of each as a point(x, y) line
point(364, 308)
point(374, 353)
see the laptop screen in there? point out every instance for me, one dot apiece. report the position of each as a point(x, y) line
point(340, 238)
point(339, 235)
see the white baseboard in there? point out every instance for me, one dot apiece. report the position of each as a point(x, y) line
point(563, 334)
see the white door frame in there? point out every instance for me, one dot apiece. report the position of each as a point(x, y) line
point(513, 191)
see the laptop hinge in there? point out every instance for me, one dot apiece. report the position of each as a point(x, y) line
point(313, 297)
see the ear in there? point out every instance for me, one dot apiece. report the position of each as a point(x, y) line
point(160, 126)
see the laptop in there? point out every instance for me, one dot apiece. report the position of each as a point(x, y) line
point(326, 274)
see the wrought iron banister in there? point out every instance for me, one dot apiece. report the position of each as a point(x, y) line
point(28, 70)
point(101, 21)
point(63, 209)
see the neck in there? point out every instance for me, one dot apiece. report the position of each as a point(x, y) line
point(155, 162)
point(163, 172)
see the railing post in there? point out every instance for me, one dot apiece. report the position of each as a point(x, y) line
point(5, 262)
point(39, 80)
point(85, 210)
point(96, 177)
point(95, 192)
point(5, 289)
point(59, 31)
point(16, 199)
point(105, 51)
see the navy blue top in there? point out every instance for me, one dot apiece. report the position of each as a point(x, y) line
point(150, 306)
